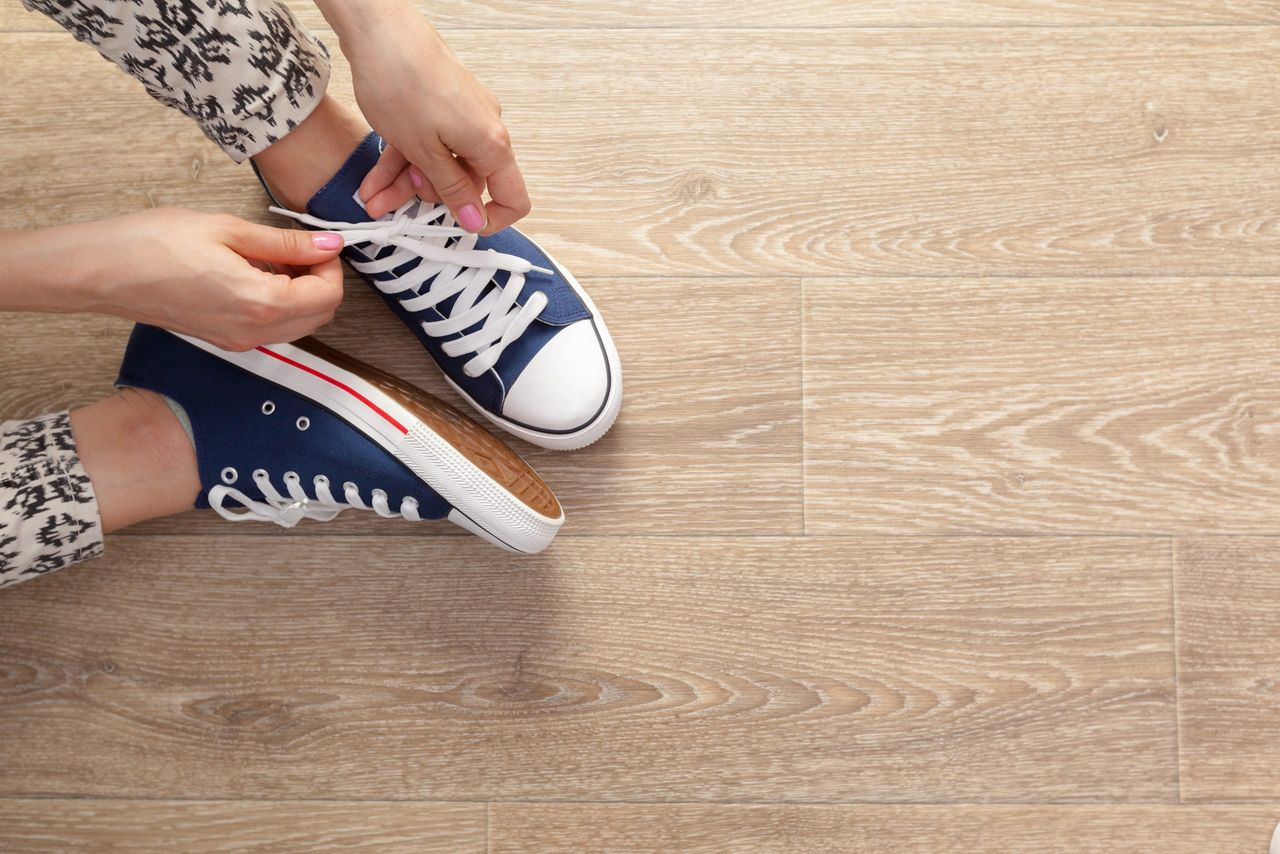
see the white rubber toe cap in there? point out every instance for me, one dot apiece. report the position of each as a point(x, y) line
point(564, 386)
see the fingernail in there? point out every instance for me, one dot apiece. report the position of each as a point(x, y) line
point(416, 179)
point(471, 218)
point(326, 240)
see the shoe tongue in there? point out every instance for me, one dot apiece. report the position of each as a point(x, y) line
point(338, 200)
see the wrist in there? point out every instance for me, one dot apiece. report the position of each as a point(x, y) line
point(87, 267)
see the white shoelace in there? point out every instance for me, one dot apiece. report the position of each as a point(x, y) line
point(421, 230)
point(287, 511)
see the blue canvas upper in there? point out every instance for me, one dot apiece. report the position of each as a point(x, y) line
point(225, 406)
point(337, 201)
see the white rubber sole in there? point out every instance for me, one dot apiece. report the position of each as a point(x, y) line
point(608, 414)
point(481, 504)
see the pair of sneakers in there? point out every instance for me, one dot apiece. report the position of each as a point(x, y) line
point(296, 431)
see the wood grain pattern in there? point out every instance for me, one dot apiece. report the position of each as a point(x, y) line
point(643, 669)
point(1084, 406)
point(1228, 593)
point(597, 14)
point(874, 829)
point(1038, 247)
point(709, 439)
point(196, 827)
point(920, 151)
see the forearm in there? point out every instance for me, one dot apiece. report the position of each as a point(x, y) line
point(49, 269)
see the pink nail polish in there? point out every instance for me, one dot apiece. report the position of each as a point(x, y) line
point(415, 178)
point(326, 240)
point(471, 218)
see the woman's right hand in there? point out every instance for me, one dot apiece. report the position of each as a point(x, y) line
point(207, 275)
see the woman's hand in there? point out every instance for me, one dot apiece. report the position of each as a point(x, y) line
point(205, 275)
point(444, 131)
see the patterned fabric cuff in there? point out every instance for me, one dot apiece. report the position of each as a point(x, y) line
point(292, 74)
point(48, 511)
point(244, 70)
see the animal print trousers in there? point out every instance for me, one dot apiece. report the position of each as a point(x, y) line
point(48, 512)
point(244, 70)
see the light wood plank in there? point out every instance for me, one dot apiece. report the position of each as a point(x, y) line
point(1228, 592)
point(1066, 406)
point(875, 829)
point(194, 827)
point(598, 14)
point(708, 440)
point(633, 669)
point(937, 152)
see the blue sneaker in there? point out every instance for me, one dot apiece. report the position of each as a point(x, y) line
point(513, 331)
point(287, 432)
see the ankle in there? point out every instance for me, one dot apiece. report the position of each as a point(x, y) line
point(298, 165)
point(138, 456)
point(155, 422)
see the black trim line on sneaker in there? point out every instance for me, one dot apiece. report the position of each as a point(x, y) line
point(604, 404)
point(464, 514)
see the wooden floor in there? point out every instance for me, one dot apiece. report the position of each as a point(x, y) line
point(943, 513)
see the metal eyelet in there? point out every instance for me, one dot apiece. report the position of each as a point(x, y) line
point(348, 486)
point(378, 493)
point(229, 475)
point(304, 422)
point(291, 477)
point(410, 501)
point(268, 407)
point(259, 474)
point(321, 480)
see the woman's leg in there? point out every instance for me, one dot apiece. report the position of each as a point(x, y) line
point(304, 160)
point(244, 70)
point(138, 456)
point(250, 75)
point(67, 479)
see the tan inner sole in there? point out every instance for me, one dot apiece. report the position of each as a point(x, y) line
point(487, 453)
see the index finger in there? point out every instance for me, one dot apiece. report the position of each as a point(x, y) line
point(383, 174)
point(509, 200)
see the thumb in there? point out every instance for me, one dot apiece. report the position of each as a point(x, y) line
point(283, 245)
point(455, 188)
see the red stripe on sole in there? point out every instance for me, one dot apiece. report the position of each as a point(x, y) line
point(348, 389)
